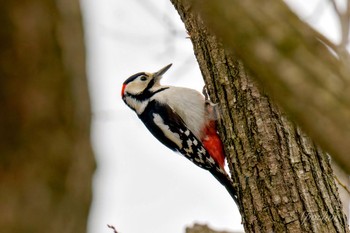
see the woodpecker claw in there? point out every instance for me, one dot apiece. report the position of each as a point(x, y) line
point(213, 109)
point(188, 35)
point(205, 93)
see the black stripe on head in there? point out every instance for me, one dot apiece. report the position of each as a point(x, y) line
point(133, 77)
point(150, 84)
point(147, 94)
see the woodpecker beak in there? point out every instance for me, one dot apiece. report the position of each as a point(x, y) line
point(160, 72)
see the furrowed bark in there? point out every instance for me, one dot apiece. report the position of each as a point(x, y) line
point(287, 58)
point(284, 181)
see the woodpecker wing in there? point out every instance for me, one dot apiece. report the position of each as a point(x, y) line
point(168, 127)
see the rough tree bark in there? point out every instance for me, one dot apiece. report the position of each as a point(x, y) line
point(288, 59)
point(285, 183)
point(46, 161)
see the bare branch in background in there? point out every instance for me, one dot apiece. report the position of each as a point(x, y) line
point(163, 19)
point(344, 23)
point(113, 228)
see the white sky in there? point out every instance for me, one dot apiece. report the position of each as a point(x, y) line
point(139, 185)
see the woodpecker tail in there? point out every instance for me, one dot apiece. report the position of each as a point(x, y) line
point(212, 143)
point(226, 181)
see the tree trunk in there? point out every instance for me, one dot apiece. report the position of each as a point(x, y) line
point(46, 159)
point(284, 182)
point(288, 59)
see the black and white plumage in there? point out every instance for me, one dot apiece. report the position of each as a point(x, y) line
point(176, 116)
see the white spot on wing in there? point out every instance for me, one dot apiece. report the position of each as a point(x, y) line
point(201, 150)
point(199, 159)
point(189, 147)
point(189, 142)
point(174, 137)
point(211, 160)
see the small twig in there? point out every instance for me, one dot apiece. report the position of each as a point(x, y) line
point(323, 39)
point(344, 21)
point(335, 7)
point(113, 228)
point(341, 184)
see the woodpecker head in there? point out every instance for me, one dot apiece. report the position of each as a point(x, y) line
point(140, 87)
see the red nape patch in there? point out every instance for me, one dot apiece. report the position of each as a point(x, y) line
point(123, 89)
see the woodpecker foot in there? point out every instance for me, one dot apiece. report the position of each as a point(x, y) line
point(207, 97)
point(188, 35)
point(213, 109)
point(205, 93)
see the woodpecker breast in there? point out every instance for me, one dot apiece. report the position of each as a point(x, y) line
point(189, 104)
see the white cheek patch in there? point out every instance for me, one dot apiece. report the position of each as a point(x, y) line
point(174, 137)
point(135, 87)
point(138, 106)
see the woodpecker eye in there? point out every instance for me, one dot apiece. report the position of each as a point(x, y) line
point(143, 78)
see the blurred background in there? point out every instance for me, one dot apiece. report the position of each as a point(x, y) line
point(139, 183)
point(47, 162)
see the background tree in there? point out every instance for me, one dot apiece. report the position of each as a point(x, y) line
point(285, 182)
point(46, 159)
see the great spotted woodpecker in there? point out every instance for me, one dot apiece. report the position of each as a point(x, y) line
point(181, 119)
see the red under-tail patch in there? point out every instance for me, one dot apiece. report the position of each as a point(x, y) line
point(123, 89)
point(212, 143)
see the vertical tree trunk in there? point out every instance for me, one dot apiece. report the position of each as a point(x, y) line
point(291, 62)
point(284, 182)
point(46, 161)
